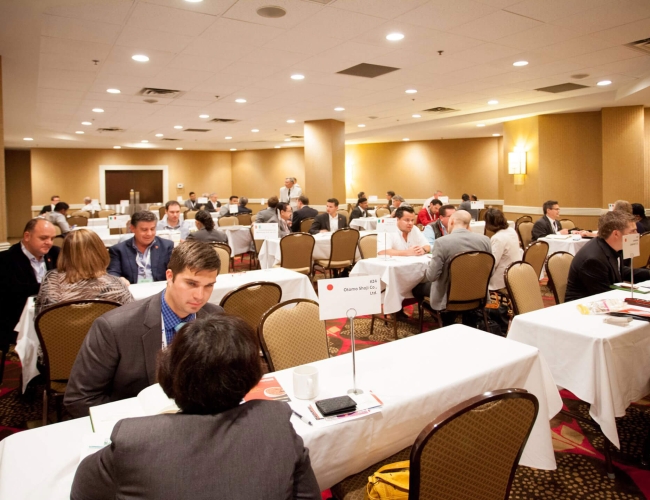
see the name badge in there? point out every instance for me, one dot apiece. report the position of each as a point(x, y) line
point(145, 280)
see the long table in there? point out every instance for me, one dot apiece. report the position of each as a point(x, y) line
point(605, 365)
point(294, 286)
point(417, 379)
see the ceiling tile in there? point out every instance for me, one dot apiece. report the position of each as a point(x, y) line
point(605, 17)
point(147, 16)
point(65, 80)
point(80, 29)
point(540, 36)
point(250, 69)
point(170, 78)
point(485, 53)
point(402, 58)
point(114, 12)
point(196, 62)
point(273, 57)
point(575, 47)
point(626, 33)
point(65, 62)
point(298, 41)
point(605, 56)
point(636, 66)
point(551, 10)
point(142, 39)
point(72, 48)
point(297, 11)
point(233, 31)
point(495, 25)
point(203, 46)
point(443, 15)
point(337, 23)
point(213, 7)
point(386, 9)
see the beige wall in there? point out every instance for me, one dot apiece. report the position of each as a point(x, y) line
point(4, 215)
point(261, 173)
point(74, 173)
point(19, 190)
point(415, 169)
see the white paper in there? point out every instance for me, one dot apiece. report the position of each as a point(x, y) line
point(233, 209)
point(611, 207)
point(94, 202)
point(477, 204)
point(387, 225)
point(631, 246)
point(179, 199)
point(118, 221)
point(444, 200)
point(372, 198)
point(265, 231)
point(202, 200)
point(124, 203)
point(263, 201)
point(342, 297)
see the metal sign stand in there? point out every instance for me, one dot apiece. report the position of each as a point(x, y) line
point(352, 313)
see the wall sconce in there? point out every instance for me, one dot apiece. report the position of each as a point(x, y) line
point(517, 162)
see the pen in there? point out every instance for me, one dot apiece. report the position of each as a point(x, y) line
point(307, 421)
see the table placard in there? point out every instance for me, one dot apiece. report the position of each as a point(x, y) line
point(444, 199)
point(233, 209)
point(263, 201)
point(265, 231)
point(338, 296)
point(611, 207)
point(118, 221)
point(202, 200)
point(387, 225)
point(372, 199)
point(124, 203)
point(477, 204)
point(631, 246)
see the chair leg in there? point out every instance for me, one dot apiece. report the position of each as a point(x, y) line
point(372, 323)
point(439, 319)
point(485, 320)
point(3, 359)
point(395, 326)
point(45, 404)
point(420, 316)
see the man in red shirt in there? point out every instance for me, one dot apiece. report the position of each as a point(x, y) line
point(429, 214)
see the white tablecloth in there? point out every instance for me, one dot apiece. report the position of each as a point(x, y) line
point(270, 253)
point(294, 286)
point(417, 378)
point(364, 223)
point(98, 222)
point(604, 365)
point(565, 245)
point(479, 226)
point(399, 275)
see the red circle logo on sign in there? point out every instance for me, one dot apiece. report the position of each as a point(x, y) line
point(330, 287)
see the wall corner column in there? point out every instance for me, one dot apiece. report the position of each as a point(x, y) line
point(324, 161)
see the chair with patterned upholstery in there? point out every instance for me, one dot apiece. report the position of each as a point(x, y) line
point(382, 211)
point(557, 270)
point(244, 219)
point(297, 250)
point(228, 220)
point(469, 277)
point(535, 254)
point(522, 283)
point(305, 224)
point(644, 246)
point(190, 214)
point(251, 301)
point(567, 224)
point(77, 220)
point(292, 334)
point(469, 452)
point(61, 330)
point(368, 246)
point(523, 218)
point(525, 233)
point(345, 213)
point(81, 213)
point(58, 241)
point(224, 252)
point(161, 212)
point(343, 251)
point(105, 213)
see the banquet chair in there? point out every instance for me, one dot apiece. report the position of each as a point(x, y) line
point(567, 224)
point(58, 241)
point(161, 212)
point(345, 213)
point(535, 254)
point(487, 232)
point(481, 213)
point(61, 330)
point(184, 209)
point(557, 270)
point(467, 290)
point(523, 218)
point(471, 451)
point(343, 250)
point(525, 233)
point(644, 248)
point(296, 251)
point(224, 252)
point(77, 220)
point(292, 334)
point(382, 211)
point(57, 230)
point(105, 213)
point(368, 246)
point(257, 245)
point(244, 219)
point(305, 224)
point(81, 213)
point(522, 283)
point(190, 214)
point(251, 301)
point(228, 220)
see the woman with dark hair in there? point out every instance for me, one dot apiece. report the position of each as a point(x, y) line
point(215, 447)
point(206, 231)
point(642, 222)
point(505, 246)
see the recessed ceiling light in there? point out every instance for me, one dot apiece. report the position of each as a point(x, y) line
point(297, 77)
point(86, 123)
point(204, 116)
point(277, 147)
point(520, 63)
point(406, 139)
point(233, 149)
point(28, 139)
point(496, 135)
point(98, 110)
point(159, 135)
point(79, 132)
point(240, 101)
point(113, 91)
point(339, 109)
point(493, 101)
point(416, 116)
point(228, 137)
point(178, 127)
point(291, 121)
point(255, 130)
point(271, 11)
point(144, 140)
point(394, 37)
point(179, 149)
point(481, 125)
point(140, 58)
point(117, 147)
point(361, 125)
point(604, 83)
point(411, 91)
point(287, 140)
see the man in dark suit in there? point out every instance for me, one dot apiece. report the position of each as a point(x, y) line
point(118, 356)
point(243, 209)
point(599, 263)
point(304, 212)
point(550, 223)
point(213, 205)
point(330, 221)
point(22, 268)
point(50, 208)
point(144, 257)
point(361, 210)
point(440, 226)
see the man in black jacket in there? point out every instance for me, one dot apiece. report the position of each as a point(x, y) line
point(599, 263)
point(330, 221)
point(361, 210)
point(50, 208)
point(303, 212)
point(550, 222)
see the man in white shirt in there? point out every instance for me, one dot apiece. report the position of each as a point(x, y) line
point(408, 241)
point(173, 220)
point(290, 192)
point(330, 221)
point(89, 206)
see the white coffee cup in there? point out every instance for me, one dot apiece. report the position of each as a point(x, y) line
point(305, 382)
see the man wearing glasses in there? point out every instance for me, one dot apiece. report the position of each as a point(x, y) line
point(550, 223)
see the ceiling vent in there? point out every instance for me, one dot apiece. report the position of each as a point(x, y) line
point(322, 2)
point(440, 109)
point(224, 120)
point(563, 87)
point(297, 136)
point(168, 93)
point(640, 45)
point(110, 129)
point(197, 130)
point(367, 70)
point(169, 139)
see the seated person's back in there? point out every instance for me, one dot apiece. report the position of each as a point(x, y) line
point(206, 230)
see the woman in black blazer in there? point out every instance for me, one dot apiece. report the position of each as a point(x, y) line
point(215, 447)
point(207, 232)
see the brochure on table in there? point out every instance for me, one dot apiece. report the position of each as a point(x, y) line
point(202, 200)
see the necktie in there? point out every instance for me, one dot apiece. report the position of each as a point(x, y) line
point(555, 226)
point(289, 195)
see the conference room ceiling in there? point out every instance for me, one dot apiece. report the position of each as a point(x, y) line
point(60, 57)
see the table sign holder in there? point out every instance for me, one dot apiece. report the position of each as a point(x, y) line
point(631, 249)
point(386, 225)
point(351, 314)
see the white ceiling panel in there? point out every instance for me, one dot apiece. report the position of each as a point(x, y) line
point(605, 56)
point(65, 80)
point(575, 47)
point(299, 41)
point(401, 58)
point(297, 12)
point(495, 25)
point(213, 7)
point(129, 68)
point(443, 15)
point(144, 40)
point(386, 9)
point(73, 48)
point(65, 62)
point(80, 29)
point(551, 10)
point(198, 63)
point(251, 69)
point(203, 46)
point(320, 63)
point(337, 23)
point(540, 36)
point(636, 66)
point(147, 16)
point(175, 79)
point(115, 11)
point(273, 57)
point(608, 16)
point(230, 30)
point(626, 33)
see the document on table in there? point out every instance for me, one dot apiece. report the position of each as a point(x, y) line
point(367, 404)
